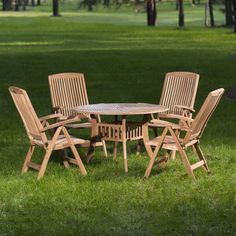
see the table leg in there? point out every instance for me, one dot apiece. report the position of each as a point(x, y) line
point(93, 140)
point(125, 156)
point(124, 143)
point(115, 143)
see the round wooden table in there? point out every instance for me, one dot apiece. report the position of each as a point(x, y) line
point(117, 131)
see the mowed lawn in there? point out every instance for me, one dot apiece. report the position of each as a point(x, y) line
point(121, 63)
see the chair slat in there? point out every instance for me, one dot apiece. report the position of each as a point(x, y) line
point(179, 88)
point(68, 90)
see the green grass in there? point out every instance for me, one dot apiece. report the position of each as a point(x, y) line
point(122, 62)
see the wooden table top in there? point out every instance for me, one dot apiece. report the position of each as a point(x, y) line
point(120, 109)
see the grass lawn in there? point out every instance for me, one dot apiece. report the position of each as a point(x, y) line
point(122, 62)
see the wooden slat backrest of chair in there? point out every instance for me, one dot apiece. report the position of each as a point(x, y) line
point(67, 90)
point(27, 113)
point(179, 88)
point(204, 114)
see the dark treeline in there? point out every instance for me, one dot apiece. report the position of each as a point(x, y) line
point(148, 6)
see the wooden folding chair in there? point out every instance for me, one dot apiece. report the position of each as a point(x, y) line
point(68, 90)
point(178, 94)
point(37, 130)
point(171, 140)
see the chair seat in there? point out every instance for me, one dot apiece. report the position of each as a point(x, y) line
point(163, 123)
point(168, 141)
point(79, 125)
point(62, 142)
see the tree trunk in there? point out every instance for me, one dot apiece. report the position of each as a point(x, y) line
point(6, 5)
point(17, 3)
point(106, 3)
point(151, 12)
point(211, 13)
point(33, 3)
point(38, 2)
point(229, 21)
point(55, 7)
point(177, 5)
point(234, 10)
point(181, 13)
point(90, 5)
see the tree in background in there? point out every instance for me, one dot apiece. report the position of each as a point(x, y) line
point(20, 5)
point(181, 13)
point(106, 3)
point(209, 14)
point(229, 21)
point(6, 5)
point(151, 12)
point(90, 5)
point(55, 7)
point(234, 10)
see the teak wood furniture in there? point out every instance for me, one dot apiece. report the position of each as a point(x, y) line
point(117, 131)
point(68, 90)
point(170, 139)
point(37, 128)
point(178, 94)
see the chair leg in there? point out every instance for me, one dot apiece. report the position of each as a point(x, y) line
point(186, 163)
point(78, 159)
point(45, 162)
point(93, 140)
point(146, 139)
point(64, 160)
point(104, 148)
point(91, 149)
point(138, 148)
point(140, 144)
point(49, 150)
point(173, 155)
point(98, 118)
point(182, 154)
point(75, 152)
point(149, 167)
point(115, 150)
point(27, 159)
point(201, 157)
point(152, 160)
point(152, 154)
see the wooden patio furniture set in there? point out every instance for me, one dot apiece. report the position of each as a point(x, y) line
point(171, 121)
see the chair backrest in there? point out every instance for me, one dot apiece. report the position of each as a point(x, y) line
point(68, 90)
point(180, 88)
point(28, 115)
point(198, 125)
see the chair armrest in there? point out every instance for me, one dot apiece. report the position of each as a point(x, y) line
point(178, 117)
point(184, 108)
point(163, 123)
point(51, 116)
point(60, 123)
